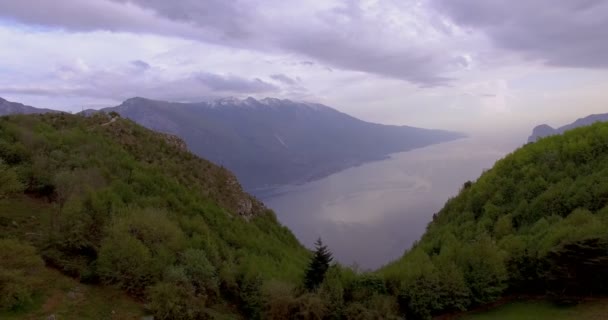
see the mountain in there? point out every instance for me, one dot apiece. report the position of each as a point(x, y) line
point(271, 142)
point(546, 130)
point(536, 224)
point(115, 206)
point(108, 202)
point(7, 107)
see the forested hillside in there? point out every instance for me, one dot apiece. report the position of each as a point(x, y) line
point(109, 202)
point(112, 204)
point(116, 206)
point(537, 223)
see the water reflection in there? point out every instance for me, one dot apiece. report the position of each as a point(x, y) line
point(370, 214)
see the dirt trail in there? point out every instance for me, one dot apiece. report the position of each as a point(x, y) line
point(109, 122)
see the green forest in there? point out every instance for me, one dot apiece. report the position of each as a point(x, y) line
point(535, 224)
point(114, 205)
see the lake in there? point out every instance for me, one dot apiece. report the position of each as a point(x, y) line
point(370, 214)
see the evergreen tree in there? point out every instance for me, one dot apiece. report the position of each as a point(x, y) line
point(318, 266)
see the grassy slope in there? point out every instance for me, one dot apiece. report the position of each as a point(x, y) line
point(534, 310)
point(58, 294)
point(66, 298)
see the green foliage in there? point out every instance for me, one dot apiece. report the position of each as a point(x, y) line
point(343, 294)
point(333, 290)
point(283, 303)
point(379, 307)
point(251, 296)
point(484, 270)
point(279, 300)
point(124, 205)
point(202, 273)
point(120, 204)
point(308, 306)
point(9, 181)
point(175, 300)
point(18, 261)
point(534, 224)
point(124, 260)
point(594, 309)
point(318, 266)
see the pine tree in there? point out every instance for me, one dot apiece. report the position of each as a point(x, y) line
point(318, 266)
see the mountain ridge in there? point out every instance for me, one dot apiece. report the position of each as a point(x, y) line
point(545, 130)
point(8, 107)
point(272, 141)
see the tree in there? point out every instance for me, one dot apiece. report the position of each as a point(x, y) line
point(65, 184)
point(175, 297)
point(318, 266)
point(9, 180)
point(251, 296)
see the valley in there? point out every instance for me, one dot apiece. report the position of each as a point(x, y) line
point(303, 160)
point(370, 214)
point(154, 220)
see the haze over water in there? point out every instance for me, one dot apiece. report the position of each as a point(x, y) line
point(370, 214)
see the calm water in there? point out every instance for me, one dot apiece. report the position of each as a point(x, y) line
point(370, 214)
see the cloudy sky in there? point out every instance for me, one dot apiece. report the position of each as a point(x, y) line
point(456, 64)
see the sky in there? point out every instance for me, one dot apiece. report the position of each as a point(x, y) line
point(468, 65)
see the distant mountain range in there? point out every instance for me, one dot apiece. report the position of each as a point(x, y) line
point(271, 142)
point(7, 107)
point(545, 130)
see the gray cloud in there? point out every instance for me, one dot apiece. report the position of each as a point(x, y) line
point(418, 66)
point(124, 83)
point(39, 91)
point(284, 79)
point(141, 65)
point(342, 36)
point(226, 18)
point(570, 33)
point(92, 15)
point(232, 83)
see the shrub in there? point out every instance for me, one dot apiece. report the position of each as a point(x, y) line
point(17, 262)
point(308, 306)
point(251, 296)
point(203, 275)
point(170, 301)
point(9, 181)
point(279, 300)
point(125, 261)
